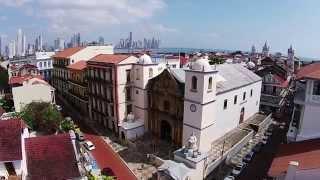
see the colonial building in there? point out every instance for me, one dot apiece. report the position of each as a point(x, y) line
point(36, 158)
point(78, 93)
point(165, 111)
point(110, 89)
point(22, 70)
point(216, 100)
point(305, 124)
point(31, 89)
point(69, 56)
point(12, 158)
point(43, 61)
point(118, 92)
point(275, 86)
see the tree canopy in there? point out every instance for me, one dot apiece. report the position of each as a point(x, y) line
point(42, 117)
point(216, 60)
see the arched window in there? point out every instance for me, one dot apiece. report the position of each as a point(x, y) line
point(137, 74)
point(210, 83)
point(166, 105)
point(194, 83)
point(150, 72)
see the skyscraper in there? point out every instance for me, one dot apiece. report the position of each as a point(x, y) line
point(19, 43)
point(24, 41)
point(12, 49)
point(0, 45)
point(101, 40)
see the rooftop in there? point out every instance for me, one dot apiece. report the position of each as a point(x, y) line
point(235, 76)
point(109, 58)
point(51, 157)
point(80, 65)
point(307, 153)
point(20, 79)
point(10, 139)
point(311, 71)
point(66, 53)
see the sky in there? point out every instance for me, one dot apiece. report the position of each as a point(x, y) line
point(216, 24)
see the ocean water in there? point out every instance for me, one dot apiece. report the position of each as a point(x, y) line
point(194, 50)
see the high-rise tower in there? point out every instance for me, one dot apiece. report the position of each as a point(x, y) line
point(265, 50)
point(290, 60)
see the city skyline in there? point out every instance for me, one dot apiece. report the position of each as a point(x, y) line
point(209, 24)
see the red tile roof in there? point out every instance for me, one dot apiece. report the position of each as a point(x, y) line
point(20, 79)
point(10, 139)
point(307, 153)
point(80, 65)
point(51, 157)
point(311, 71)
point(66, 53)
point(109, 58)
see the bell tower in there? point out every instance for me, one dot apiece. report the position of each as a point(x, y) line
point(199, 102)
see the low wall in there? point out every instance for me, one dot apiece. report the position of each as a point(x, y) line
point(232, 151)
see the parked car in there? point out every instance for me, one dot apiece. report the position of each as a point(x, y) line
point(107, 172)
point(238, 169)
point(80, 136)
point(89, 145)
point(248, 157)
point(257, 147)
point(268, 133)
point(229, 178)
point(59, 108)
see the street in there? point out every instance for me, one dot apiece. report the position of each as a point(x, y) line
point(103, 154)
point(258, 168)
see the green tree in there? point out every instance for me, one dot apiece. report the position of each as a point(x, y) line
point(67, 125)
point(216, 60)
point(7, 105)
point(42, 117)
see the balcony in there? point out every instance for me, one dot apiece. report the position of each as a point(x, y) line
point(270, 100)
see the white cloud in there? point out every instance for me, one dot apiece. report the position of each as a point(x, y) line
point(65, 16)
point(14, 3)
point(213, 35)
point(162, 28)
point(3, 18)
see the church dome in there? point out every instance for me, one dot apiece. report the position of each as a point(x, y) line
point(145, 59)
point(201, 64)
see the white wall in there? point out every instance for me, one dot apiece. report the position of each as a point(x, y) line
point(309, 123)
point(216, 121)
point(90, 52)
point(25, 94)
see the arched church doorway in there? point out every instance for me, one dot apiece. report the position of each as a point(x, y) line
point(123, 137)
point(165, 131)
point(241, 115)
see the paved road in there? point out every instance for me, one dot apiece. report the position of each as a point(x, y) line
point(258, 168)
point(106, 157)
point(103, 154)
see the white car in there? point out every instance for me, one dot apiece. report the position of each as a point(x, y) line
point(89, 145)
point(229, 178)
point(238, 169)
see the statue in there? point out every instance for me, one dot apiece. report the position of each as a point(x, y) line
point(192, 142)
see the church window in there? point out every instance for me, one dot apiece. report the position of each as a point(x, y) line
point(137, 74)
point(150, 72)
point(210, 83)
point(244, 96)
point(251, 92)
point(194, 82)
point(225, 104)
point(166, 105)
point(235, 99)
point(316, 88)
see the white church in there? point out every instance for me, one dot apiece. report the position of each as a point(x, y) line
point(217, 99)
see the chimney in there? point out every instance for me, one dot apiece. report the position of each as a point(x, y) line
point(292, 169)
